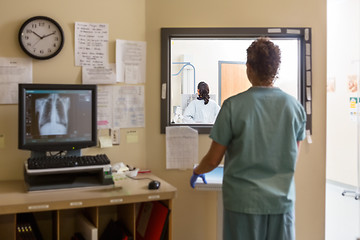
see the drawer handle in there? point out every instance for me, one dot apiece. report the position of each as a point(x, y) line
point(76, 204)
point(34, 207)
point(120, 200)
point(154, 197)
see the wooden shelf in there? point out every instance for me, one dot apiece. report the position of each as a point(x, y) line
point(98, 204)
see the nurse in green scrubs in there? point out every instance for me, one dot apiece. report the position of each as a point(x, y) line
point(259, 132)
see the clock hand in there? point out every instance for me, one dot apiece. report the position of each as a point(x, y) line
point(48, 35)
point(36, 42)
point(37, 34)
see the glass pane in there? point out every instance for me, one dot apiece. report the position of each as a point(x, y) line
point(196, 60)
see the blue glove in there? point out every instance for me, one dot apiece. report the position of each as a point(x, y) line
point(194, 177)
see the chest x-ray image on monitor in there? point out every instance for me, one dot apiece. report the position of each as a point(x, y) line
point(52, 113)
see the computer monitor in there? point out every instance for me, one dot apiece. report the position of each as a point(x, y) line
point(57, 117)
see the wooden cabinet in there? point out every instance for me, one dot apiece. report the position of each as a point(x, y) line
point(55, 211)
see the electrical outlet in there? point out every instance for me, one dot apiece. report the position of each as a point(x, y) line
point(115, 135)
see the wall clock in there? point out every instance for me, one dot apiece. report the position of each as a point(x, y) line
point(41, 37)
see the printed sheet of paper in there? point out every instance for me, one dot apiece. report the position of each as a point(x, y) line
point(130, 61)
point(181, 147)
point(12, 72)
point(104, 107)
point(91, 44)
point(129, 106)
point(99, 75)
point(121, 106)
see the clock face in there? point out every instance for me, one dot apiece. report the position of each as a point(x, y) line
point(41, 37)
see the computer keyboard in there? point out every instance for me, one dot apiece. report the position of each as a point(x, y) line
point(54, 162)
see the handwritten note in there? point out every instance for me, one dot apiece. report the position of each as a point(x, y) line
point(91, 44)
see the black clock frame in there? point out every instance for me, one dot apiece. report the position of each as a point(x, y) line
point(47, 19)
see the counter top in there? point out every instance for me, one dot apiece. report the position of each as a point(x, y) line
point(14, 197)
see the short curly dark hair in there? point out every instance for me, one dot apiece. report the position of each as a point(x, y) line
point(264, 57)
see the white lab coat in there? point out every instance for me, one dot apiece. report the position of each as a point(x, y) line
point(199, 112)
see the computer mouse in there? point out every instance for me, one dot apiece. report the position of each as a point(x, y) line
point(154, 185)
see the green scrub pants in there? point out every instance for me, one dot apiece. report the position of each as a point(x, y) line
point(240, 226)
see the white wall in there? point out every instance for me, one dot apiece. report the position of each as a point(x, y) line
point(343, 62)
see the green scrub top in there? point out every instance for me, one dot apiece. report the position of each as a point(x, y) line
point(260, 128)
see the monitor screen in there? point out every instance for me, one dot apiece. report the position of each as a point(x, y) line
point(57, 117)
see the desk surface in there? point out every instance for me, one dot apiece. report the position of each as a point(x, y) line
point(15, 199)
